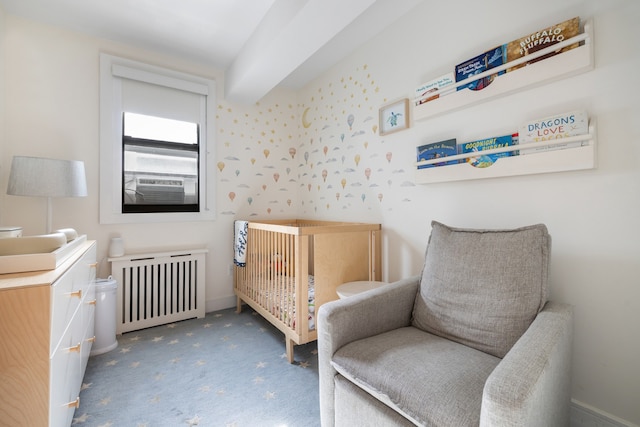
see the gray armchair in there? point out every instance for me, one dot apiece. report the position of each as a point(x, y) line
point(471, 341)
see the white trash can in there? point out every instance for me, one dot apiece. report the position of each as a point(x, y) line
point(105, 320)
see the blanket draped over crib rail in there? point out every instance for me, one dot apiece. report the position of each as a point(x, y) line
point(240, 243)
point(286, 269)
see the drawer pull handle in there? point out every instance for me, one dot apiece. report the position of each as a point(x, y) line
point(74, 349)
point(93, 265)
point(92, 302)
point(74, 404)
point(92, 339)
point(77, 294)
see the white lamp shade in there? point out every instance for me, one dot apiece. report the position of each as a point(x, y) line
point(41, 177)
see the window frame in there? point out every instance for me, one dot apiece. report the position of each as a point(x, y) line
point(113, 70)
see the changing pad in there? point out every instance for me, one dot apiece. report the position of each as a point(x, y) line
point(32, 244)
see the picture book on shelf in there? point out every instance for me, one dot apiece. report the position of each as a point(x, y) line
point(554, 127)
point(486, 61)
point(436, 150)
point(436, 86)
point(486, 160)
point(541, 39)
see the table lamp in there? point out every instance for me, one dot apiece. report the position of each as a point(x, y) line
point(42, 177)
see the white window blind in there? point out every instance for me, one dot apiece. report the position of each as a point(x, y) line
point(161, 101)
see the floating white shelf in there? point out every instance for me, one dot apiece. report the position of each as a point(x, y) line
point(572, 62)
point(559, 160)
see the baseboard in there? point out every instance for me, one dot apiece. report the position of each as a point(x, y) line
point(583, 415)
point(220, 304)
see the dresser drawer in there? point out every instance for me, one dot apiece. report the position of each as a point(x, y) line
point(65, 300)
point(70, 291)
point(88, 337)
point(88, 307)
point(85, 271)
point(87, 277)
point(65, 378)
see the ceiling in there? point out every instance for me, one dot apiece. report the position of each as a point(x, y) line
point(260, 44)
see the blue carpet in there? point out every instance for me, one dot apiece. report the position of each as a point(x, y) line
point(226, 369)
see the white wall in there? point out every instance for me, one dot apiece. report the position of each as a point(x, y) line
point(51, 109)
point(52, 88)
point(592, 215)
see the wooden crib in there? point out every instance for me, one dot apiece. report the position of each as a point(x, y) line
point(294, 266)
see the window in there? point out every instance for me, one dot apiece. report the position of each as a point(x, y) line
point(154, 162)
point(160, 165)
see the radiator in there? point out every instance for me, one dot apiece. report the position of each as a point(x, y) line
point(158, 288)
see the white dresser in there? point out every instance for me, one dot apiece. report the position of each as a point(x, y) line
point(46, 332)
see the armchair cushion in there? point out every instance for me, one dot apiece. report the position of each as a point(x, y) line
point(488, 301)
point(426, 378)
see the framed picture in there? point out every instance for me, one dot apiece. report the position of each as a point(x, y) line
point(394, 116)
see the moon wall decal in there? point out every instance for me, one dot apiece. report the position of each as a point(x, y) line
point(305, 123)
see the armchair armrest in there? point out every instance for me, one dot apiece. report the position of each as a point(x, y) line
point(343, 321)
point(531, 385)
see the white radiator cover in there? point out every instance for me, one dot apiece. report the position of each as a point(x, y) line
point(158, 288)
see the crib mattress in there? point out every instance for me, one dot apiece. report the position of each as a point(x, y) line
point(282, 304)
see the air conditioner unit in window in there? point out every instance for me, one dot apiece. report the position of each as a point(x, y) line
point(155, 190)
